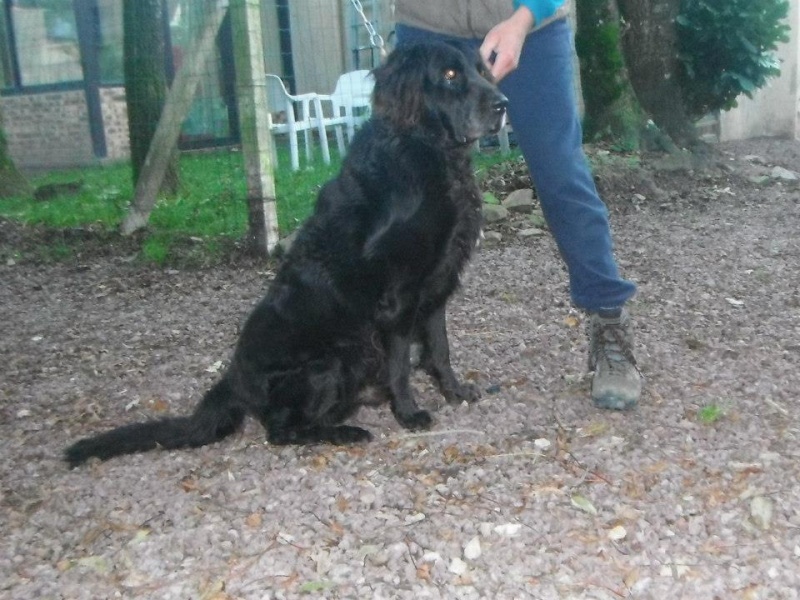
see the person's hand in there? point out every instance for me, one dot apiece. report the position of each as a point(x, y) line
point(504, 43)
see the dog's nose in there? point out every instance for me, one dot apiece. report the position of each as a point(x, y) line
point(500, 104)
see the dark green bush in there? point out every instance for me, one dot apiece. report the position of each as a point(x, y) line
point(727, 48)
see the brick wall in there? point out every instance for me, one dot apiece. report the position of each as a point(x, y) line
point(48, 130)
point(51, 130)
point(115, 122)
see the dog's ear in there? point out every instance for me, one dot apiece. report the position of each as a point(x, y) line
point(399, 84)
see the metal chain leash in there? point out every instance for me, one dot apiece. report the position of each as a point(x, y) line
point(375, 39)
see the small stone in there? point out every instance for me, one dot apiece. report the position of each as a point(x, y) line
point(784, 174)
point(617, 533)
point(508, 529)
point(519, 201)
point(457, 566)
point(472, 550)
point(530, 232)
point(493, 213)
point(492, 237)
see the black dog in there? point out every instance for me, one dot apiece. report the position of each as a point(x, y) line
point(369, 273)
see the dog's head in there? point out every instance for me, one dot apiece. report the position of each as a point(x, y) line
point(438, 90)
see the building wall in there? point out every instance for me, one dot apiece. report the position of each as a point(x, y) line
point(115, 122)
point(774, 110)
point(49, 130)
point(317, 44)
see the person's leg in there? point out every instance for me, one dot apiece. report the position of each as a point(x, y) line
point(543, 112)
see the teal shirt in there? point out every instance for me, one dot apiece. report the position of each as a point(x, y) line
point(541, 9)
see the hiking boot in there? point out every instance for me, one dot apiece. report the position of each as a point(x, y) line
point(617, 383)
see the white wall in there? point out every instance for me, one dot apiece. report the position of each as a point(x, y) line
point(774, 110)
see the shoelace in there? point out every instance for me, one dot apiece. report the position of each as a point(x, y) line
point(615, 348)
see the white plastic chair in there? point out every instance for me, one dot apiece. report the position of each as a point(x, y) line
point(351, 100)
point(298, 116)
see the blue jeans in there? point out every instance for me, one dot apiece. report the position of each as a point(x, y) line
point(543, 111)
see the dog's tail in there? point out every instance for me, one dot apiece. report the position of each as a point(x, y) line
point(217, 416)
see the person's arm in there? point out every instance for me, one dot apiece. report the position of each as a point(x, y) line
point(503, 44)
point(540, 9)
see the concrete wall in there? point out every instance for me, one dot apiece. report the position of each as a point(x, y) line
point(774, 110)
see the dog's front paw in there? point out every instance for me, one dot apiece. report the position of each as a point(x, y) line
point(348, 434)
point(461, 392)
point(415, 421)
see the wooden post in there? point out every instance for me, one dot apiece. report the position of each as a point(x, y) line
point(251, 91)
point(176, 107)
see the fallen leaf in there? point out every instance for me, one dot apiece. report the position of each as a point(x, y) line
point(319, 462)
point(95, 563)
point(336, 528)
point(140, 536)
point(316, 586)
point(254, 520)
point(214, 591)
point(761, 512)
point(63, 565)
point(582, 503)
point(631, 578)
point(189, 484)
point(594, 429)
point(452, 454)
point(424, 572)
point(159, 405)
point(572, 321)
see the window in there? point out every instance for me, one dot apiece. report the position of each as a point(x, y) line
point(109, 19)
point(46, 39)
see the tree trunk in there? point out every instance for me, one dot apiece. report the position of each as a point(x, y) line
point(611, 109)
point(169, 123)
point(145, 83)
point(12, 182)
point(650, 48)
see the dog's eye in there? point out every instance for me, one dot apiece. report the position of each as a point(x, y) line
point(450, 74)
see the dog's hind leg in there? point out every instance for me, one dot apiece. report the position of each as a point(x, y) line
point(435, 360)
point(307, 405)
point(404, 407)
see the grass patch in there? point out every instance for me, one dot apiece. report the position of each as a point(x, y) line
point(155, 249)
point(710, 414)
point(210, 208)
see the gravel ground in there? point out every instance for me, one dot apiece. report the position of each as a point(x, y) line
point(530, 493)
